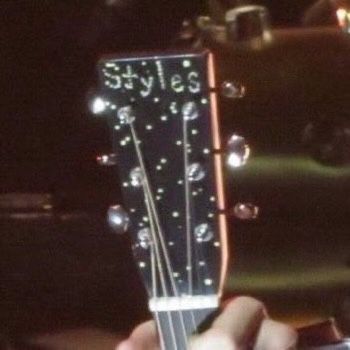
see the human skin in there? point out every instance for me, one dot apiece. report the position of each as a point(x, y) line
point(243, 324)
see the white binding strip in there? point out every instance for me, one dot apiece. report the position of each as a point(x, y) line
point(184, 303)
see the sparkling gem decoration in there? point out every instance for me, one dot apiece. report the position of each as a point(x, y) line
point(238, 151)
point(126, 115)
point(98, 105)
point(195, 172)
point(190, 110)
point(203, 233)
point(144, 237)
point(136, 177)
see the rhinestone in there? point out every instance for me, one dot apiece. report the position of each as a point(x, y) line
point(136, 177)
point(126, 115)
point(190, 111)
point(195, 172)
point(144, 237)
point(208, 282)
point(203, 233)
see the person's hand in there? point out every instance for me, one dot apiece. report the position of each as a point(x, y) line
point(243, 325)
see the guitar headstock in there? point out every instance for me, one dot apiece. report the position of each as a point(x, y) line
point(162, 113)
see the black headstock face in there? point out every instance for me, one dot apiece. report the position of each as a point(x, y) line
point(162, 113)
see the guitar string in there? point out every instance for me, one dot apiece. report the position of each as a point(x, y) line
point(149, 195)
point(154, 238)
point(187, 204)
point(155, 216)
point(160, 266)
point(188, 215)
point(155, 250)
point(152, 205)
point(154, 258)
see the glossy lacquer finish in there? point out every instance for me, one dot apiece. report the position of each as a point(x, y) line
point(162, 112)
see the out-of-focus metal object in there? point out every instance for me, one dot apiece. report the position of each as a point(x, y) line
point(246, 211)
point(107, 159)
point(118, 219)
point(247, 22)
point(97, 105)
point(328, 141)
point(343, 16)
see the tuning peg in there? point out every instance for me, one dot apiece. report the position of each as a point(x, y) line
point(238, 151)
point(107, 159)
point(118, 219)
point(99, 105)
point(233, 89)
point(245, 211)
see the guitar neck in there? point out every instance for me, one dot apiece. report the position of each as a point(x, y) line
point(176, 327)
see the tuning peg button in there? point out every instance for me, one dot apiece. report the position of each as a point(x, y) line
point(238, 151)
point(118, 219)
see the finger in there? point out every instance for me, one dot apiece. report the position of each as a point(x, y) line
point(276, 336)
point(124, 345)
point(213, 339)
point(144, 337)
point(235, 328)
point(241, 320)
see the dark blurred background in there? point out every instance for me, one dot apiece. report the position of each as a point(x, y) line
point(62, 266)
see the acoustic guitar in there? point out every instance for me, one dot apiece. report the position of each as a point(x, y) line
point(162, 112)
